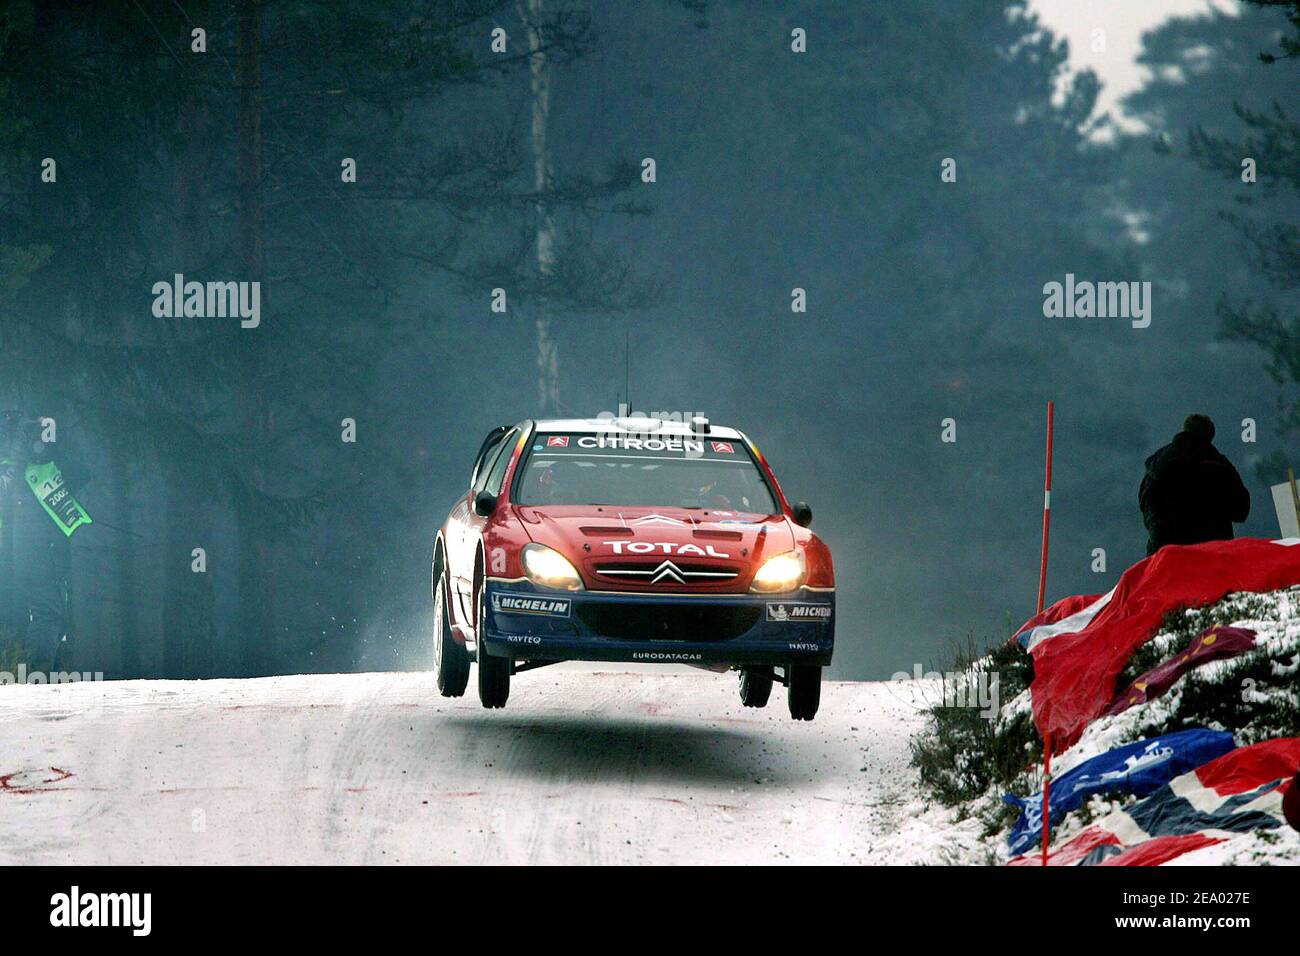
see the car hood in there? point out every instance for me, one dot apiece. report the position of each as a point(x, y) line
point(659, 549)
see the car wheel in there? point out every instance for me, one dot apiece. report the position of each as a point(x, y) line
point(804, 687)
point(493, 672)
point(755, 686)
point(450, 660)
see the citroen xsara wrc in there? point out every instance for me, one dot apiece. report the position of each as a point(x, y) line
point(635, 541)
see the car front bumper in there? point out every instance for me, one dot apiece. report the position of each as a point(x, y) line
point(527, 623)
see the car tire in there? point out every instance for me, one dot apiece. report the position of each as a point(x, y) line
point(450, 660)
point(804, 690)
point(493, 672)
point(755, 686)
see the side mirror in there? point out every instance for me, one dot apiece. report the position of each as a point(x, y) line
point(803, 515)
point(485, 503)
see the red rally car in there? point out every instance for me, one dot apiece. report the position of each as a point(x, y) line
point(630, 540)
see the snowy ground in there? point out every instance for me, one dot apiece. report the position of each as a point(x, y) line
point(377, 768)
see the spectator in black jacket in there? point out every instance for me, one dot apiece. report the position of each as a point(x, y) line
point(1191, 493)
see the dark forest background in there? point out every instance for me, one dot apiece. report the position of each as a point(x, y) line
point(522, 171)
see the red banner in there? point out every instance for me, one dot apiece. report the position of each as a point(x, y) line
point(1075, 672)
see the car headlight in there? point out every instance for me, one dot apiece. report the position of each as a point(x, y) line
point(549, 568)
point(784, 572)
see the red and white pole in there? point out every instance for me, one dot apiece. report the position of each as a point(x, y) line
point(1047, 510)
point(1047, 787)
point(1042, 588)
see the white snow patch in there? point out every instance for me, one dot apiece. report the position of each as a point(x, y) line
point(1279, 847)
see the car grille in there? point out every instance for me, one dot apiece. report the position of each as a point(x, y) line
point(671, 622)
point(666, 573)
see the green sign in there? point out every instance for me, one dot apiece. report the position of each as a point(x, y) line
point(46, 482)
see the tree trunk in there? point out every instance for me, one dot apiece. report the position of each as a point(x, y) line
point(548, 356)
point(188, 601)
point(125, 585)
point(254, 593)
point(189, 628)
point(8, 605)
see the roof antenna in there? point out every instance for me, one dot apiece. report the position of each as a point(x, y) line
point(627, 368)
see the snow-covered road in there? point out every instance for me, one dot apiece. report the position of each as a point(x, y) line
point(364, 768)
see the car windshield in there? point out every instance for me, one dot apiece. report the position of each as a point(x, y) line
point(651, 471)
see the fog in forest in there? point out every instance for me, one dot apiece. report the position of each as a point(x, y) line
point(920, 171)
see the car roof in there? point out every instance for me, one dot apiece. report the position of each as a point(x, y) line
point(634, 426)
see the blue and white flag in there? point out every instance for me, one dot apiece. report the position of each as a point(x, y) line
point(1139, 768)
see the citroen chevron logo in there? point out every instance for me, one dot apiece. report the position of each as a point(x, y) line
point(660, 519)
point(667, 571)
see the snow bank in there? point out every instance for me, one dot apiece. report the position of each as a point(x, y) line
point(1275, 617)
